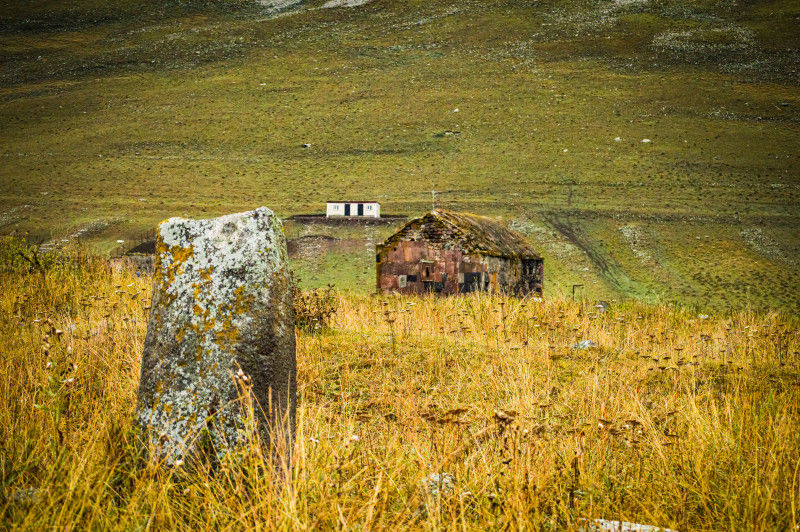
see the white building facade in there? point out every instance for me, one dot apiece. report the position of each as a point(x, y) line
point(353, 209)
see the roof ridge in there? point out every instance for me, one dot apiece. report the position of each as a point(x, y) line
point(482, 234)
point(461, 230)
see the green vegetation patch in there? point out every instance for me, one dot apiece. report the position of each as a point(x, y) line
point(515, 112)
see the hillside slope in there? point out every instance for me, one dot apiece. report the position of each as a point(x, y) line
point(647, 148)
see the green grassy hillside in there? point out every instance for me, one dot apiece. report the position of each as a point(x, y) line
point(115, 116)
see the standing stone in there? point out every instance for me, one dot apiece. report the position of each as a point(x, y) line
point(221, 321)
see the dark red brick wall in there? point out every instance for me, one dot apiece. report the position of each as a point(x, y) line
point(429, 267)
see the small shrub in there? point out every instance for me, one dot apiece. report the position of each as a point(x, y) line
point(17, 255)
point(313, 308)
point(20, 256)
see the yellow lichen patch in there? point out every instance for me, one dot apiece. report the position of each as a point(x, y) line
point(205, 281)
point(179, 257)
point(205, 274)
point(229, 334)
point(241, 303)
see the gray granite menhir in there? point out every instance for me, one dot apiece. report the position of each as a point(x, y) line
point(220, 337)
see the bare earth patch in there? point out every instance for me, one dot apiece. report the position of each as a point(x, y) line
point(344, 3)
point(277, 5)
point(764, 245)
point(637, 241)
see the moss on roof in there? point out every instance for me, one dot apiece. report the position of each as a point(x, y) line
point(478, 234)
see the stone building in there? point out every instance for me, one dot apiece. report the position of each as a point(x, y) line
point(447, 252)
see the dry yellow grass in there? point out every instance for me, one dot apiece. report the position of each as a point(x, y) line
point(672, 420)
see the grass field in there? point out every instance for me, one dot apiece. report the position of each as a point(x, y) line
point(647, 148)
point(114, 117)
point(673, 419)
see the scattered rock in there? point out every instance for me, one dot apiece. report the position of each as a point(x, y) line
point(344, 3)
point(603, 525)
point(277, 5)
point(505, 416)
point(26, 496)
point(584, 344)
point(84, 231)
point(766, 246)
point(638, 241)
point(221, 327)
point(438, 485)
point(714, 39)
point(12, 215)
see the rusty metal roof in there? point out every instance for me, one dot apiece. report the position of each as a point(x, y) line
point(478, 234)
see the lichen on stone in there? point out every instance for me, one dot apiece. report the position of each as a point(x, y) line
point(221, 308)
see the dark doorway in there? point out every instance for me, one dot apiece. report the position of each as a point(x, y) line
point(528, 267)
point(433, 287)
point(347, 209)
point(361, 209)
point(472, 282)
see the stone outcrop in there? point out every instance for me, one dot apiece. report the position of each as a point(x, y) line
point(221, 322)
